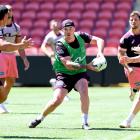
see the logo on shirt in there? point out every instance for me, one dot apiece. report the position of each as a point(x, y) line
point(79, 59)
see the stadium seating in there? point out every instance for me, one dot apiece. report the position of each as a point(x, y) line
point(105, 18)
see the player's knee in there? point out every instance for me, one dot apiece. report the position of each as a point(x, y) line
point(10, 82)
point(3, 98)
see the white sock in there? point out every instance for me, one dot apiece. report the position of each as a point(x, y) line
point(130, 118)
point(40, 117)
point(85, 118)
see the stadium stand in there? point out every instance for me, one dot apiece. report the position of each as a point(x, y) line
point(104, 18)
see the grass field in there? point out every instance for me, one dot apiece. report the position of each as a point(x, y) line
point(108, 107)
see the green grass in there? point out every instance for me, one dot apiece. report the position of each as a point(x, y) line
point(108, 107)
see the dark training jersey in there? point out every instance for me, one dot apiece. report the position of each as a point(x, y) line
point(128, 41)
point(63, 52)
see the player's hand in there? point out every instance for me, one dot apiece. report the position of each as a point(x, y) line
point(91, 67)
point(26, 64)
point(124, 60)
point(136, 50)
point(27, 42)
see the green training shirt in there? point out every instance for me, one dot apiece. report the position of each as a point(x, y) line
point(77, 55)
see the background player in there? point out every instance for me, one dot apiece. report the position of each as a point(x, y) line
point(7, 47)
point(11, 33)
point(49, 43)
point(127, 47)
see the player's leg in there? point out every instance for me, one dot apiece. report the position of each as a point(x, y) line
point(134, 110)
point(52, 83)
point(134, 80)
point(58, 97)
point(9, 82)
point(82, 87)
point(3, 96)
point(132, 94)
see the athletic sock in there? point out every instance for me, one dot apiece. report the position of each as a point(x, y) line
point(40, 117)
point(85, 118)
point(130, 118)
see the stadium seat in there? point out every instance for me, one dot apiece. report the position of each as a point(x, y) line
point(85, 29)
point(60, 15)
point(43, 15)
point(105, 14)
point(39, 32)
point(100, 32)
point(77, 6)
point(119, 24)
point(64, 6)
point(93, 5)
point(24, 32)
point(41, 23)
point(91, 51)
point(86, 24)
point(18, 6)
point(29, 14)
point(26, 23)
point(32, 6)
point(74, 15)
point(116, 32)
point(47, 6)
point(6, 1)
point(102, 23)
point(121, 14)
point(110, 51)
point(17, 15)
point(89, 14)
point(109, 6)
point(112, 42)
point(124, 6)
point(111, 1)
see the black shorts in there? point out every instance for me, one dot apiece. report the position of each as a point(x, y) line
point(68, 81)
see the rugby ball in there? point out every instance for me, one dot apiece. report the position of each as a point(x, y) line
point(99, 63)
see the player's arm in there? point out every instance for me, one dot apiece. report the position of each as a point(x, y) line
point(100, 44)
point(69, 64)
point(121, 54)
point(22, 53)
point(76, 66)
point(126, 59)
point(7, 46)
point(46, 48)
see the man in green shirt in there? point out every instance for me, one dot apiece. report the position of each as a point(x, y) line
point(70, 67)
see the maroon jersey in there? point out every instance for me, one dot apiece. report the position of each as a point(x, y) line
point(128, 41)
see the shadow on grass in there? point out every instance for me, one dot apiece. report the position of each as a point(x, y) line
point(28, 137)
point(13, 113)
point(117, 129)
point(106, 129)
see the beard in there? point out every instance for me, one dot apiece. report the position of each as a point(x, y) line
point(134, 27)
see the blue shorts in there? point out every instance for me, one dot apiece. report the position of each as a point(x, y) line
point(68, 81)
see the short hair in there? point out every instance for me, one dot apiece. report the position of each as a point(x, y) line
point(53, 23)
point(137, 13)
point(3, 11)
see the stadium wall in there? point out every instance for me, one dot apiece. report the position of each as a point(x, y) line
point(41, 72)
